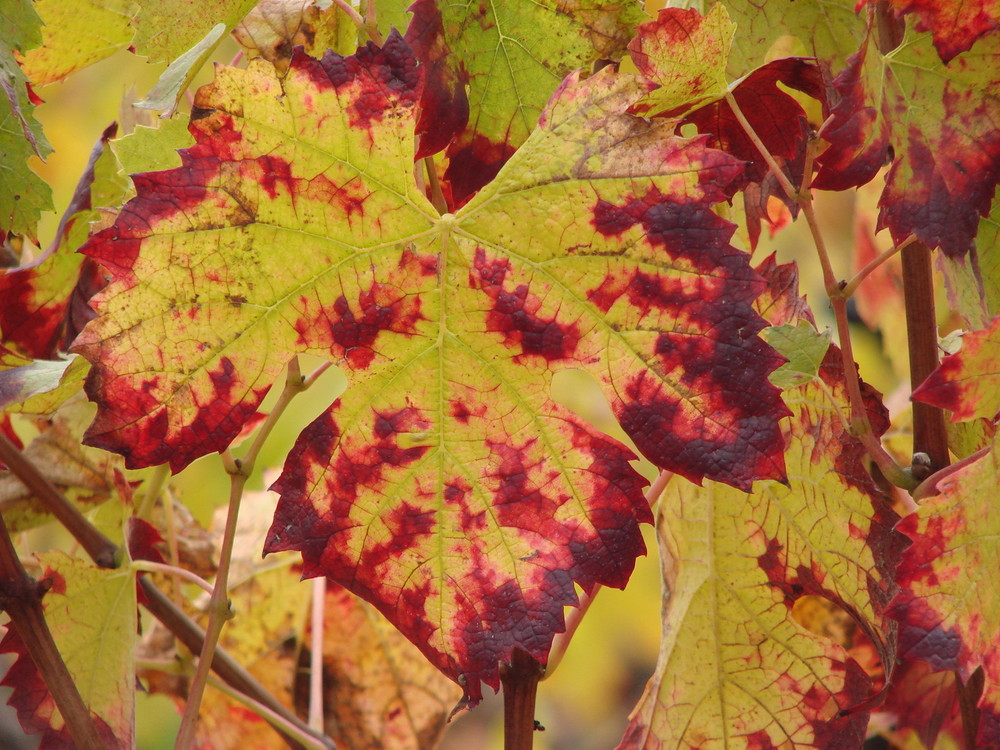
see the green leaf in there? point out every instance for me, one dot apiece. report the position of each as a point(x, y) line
point(151, 149)
point(803, 349)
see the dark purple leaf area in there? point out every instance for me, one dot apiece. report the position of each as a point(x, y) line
point(943, 177)
point(444, 105)
point(723, 358)
point(494, 614)
point(775, 116)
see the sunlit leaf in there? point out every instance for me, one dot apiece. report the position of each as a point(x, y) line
point(967, 383)
point(490, 68)
point(305, 235)
point(947, 616)
point(737, 669)
point(938, 123)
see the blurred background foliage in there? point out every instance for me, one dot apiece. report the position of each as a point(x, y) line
point(585, 703)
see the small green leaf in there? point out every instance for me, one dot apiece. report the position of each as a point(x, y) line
point(803, 346)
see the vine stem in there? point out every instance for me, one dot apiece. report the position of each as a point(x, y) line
point(366, 23)
point(219, 605)
point(520, 685)
point(576, 614)
point(860, 424)
point(316, 654)
point(104, 553)
point(437, 197)
point(172, 570)
point(21, 599)
point(851, 286)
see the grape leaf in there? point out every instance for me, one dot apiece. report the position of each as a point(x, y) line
point(967, 383)
point(82, 33)
point(76, 35)
point(84, 474)
point(23, 194)
point(686, 54)
point(491, 68)
point(939, 123)
point(736, 669)
point(955, 24)
point(276, 27)
point(380, 692)
point(826, 29)
point(43, 304)
point(925, 701)
point(295, 226)
point(92, 615)
point(41, 386)
point(165, 29)
point(947, 617)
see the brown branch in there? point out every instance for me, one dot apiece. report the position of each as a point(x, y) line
point(100, 548)
point(520, 685)
point(929, 434)
point(21, 598)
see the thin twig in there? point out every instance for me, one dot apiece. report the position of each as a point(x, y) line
point(280, 723)
point(316, 655)
point(356, 18)
point(772, 164)
point(154, 486)
point(219, 606)
point(437, 197)
point(172, 570)
point(851, 286)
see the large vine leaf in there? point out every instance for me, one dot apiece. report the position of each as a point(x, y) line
point(446, 487)
point(736, 669)
point(947, 617)
point(92, 615)
point(939, 123)
point(492, 66)
point(967, 383)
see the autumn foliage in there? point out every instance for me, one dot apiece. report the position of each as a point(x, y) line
point(454, 205)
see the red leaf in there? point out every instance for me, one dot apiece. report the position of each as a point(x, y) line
point(955, 24)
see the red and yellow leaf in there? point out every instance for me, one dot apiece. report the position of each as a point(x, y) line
point(92, 615)
point(937, 122)
point(967, 383)
point(949, 616)
point(955, 24)
point(446, 486)
point(736, 668)
point(490, 68)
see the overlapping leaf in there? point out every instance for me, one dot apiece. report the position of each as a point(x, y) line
point(941, 125)
point(492, 66)
point(947, 616)
point(967, 383)
point(23, 194)
point(955, 24)
point(446, 487)
point(686, 55)
point(736, 670)
point(381, 693)
point(92, 615)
